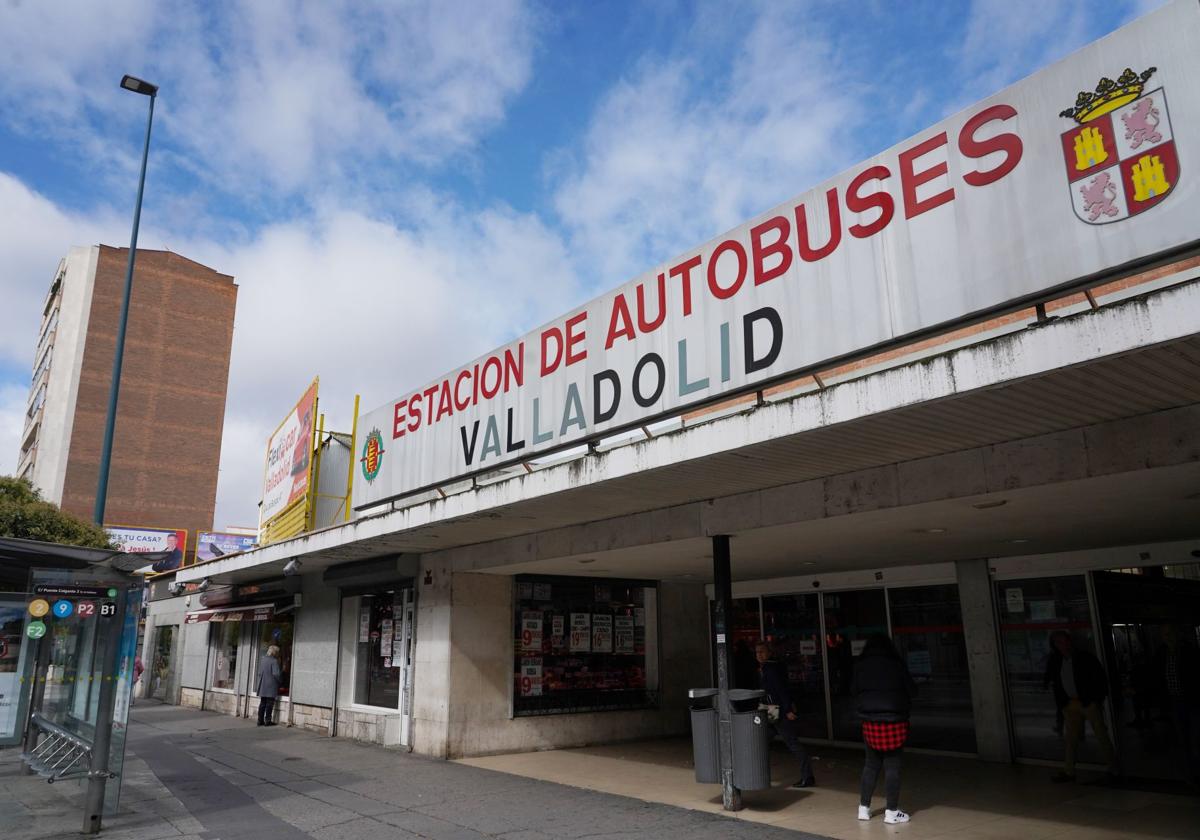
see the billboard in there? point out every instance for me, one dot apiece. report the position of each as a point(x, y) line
point(289, 457)
point(133, 540)
point(1079, 171)
point(213, 544)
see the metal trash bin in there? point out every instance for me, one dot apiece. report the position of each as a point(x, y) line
point(706, 748)
point(751, 740)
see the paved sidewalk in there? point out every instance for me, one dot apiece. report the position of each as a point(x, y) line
point(201, 776)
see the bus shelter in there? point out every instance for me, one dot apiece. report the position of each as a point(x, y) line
point(69, 628)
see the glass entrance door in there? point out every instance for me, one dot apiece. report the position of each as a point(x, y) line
point(1031, 610)
point(161, 670)
point(850, 619)
point(793, 626)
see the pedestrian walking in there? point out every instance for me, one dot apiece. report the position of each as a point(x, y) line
point(269, 675)
point(883, 690)
point(1080, 687)
point(773, 680)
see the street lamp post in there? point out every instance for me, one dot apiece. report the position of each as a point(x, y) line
point(146, 89)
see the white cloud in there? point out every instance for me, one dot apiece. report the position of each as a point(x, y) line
point(369, 306)
point(672, 156)
point(271, 94)
point(34, 235)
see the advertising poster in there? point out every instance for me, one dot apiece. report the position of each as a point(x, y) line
point(289, 451)
point(134, 540)
point(213, 544)
point(581, 632)
point(385, 636)
point(531, 632)
point(602, 629)
point(364, 625)
point(625, 642)
point(542, 591)
point(557, 628)
point(808, 647)
point(531, 676)
point(12, 618)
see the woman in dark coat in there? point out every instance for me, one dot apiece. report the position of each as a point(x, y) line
point(884, 691)
point(269, 677)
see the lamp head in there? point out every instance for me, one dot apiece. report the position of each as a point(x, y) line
point(138, 86)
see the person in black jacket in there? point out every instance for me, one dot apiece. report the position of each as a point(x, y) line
point(773, 680)
point(1080, 687)
point(883, 690)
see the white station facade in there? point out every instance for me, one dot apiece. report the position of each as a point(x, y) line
point(952, 395)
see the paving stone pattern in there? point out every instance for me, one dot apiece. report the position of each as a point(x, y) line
point(198, 775)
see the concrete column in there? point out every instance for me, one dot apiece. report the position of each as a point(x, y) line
point(432, 658)
point(731, 797)
point(984, 660)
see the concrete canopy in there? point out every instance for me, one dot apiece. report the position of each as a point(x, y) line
point(1080, 432)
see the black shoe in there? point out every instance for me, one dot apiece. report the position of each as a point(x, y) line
point(269, 723)
point(805, 783)
point(1062, 778)
point(260, 723)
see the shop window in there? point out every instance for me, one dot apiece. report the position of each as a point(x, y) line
point(377, 674)
point(584, 645)
point(226, 638)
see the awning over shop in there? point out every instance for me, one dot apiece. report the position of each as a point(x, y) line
point(258, 612)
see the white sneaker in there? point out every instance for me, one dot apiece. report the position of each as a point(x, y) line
point(894, 817)
point(864, 813)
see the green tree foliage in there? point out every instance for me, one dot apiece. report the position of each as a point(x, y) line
point(25, 514)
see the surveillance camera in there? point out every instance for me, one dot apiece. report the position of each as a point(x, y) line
point(204, 584)
point(292, 568)
point(816, 584)
point(176, 587)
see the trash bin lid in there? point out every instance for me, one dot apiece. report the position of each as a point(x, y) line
point(701, 692)
point(739, 695)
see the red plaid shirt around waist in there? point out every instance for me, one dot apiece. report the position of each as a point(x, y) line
point(885, 736)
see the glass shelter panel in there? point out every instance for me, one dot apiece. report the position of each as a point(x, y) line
point(1030, 610)
point(793, 626)
point(928, 631)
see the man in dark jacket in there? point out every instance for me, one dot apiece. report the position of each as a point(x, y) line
point(773, 680)
point(1080, 686)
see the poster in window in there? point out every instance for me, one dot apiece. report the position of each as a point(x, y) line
point(808, 647)
point(625, 642)
point(385, 636)
point(603, 593)
point(398, 648)
point(556, 628)
point(364, 625)
point(542, 591)
point(531, 676)
point(581, 632)
point(602, 630)
point(531, 632)
point(524, 590)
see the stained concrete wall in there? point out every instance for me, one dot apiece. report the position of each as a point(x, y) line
point(464, 673)
point(314, 644)
point(984, 660)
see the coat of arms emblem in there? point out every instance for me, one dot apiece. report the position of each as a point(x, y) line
point(1120, 156)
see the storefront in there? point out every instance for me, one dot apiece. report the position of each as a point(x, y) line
point(374, 691)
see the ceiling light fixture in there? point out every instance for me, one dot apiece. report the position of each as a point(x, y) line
point(586, 560)
point(931, 530)
point(989, 505)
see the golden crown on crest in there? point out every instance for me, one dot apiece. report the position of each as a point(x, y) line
point(1108, 96)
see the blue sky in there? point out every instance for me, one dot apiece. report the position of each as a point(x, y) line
point(467, 170)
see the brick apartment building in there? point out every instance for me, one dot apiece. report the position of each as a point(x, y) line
point(174, 378)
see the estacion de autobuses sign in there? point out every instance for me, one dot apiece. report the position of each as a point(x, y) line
point(1057, 178)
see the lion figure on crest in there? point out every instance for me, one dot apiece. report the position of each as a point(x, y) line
point(1141, 124)
point(1099, 197)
